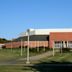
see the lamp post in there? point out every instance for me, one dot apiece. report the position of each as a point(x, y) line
point(61, 47)
point(11, 44)
point(53, 49)
point(21, 47)
point(28, 48)
point(37, 46)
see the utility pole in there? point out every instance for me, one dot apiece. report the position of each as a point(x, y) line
point(28, 61)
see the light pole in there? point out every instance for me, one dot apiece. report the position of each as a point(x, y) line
point(28, 61)
point(11, 45)
point(24, 45)
point(21, 47)
point(37, 46)
point(61, 47)
point(53, 49)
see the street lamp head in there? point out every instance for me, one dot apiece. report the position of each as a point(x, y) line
point(28, 30)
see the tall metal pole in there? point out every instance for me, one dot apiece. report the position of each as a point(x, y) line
point(61, 46)
point(53, 49)
point(28, 61)
point(11, 45)
point(21, 47)
point(37, 46)
point(24, 45)
point(44, 45)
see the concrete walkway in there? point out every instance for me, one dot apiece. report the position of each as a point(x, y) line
point(38, 57)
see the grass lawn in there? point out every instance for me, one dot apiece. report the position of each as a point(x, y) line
point(38, 66)
point(8, 54)
point(65, 57)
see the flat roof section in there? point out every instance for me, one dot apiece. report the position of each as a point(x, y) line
point(45, 31)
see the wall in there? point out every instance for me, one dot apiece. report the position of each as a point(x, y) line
point(33, 44)
point(59, 36)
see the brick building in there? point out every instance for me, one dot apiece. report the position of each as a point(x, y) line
point(48, 38)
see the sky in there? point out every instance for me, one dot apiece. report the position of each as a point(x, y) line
point(17, 16)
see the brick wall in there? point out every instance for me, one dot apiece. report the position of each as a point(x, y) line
point(33, 44)
point(59, 36)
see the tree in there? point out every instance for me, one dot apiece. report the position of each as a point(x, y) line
point(3, 40)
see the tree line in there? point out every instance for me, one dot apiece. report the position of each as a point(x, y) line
point(3, 40)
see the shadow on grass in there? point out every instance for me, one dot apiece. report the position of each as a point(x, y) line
point(52, 66)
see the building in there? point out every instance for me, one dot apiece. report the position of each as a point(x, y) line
point(48, 38)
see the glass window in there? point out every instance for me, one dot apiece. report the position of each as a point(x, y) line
point(57, 44)
point(70, 44)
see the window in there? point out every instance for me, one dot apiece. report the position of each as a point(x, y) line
point(57, 44)
point(70, 44)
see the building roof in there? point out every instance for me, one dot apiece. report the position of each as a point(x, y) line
point(34, 38)
point(45, 31)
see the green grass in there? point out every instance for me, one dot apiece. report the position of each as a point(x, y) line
point(8, 54)
point(21, 68)
point(65, 57)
